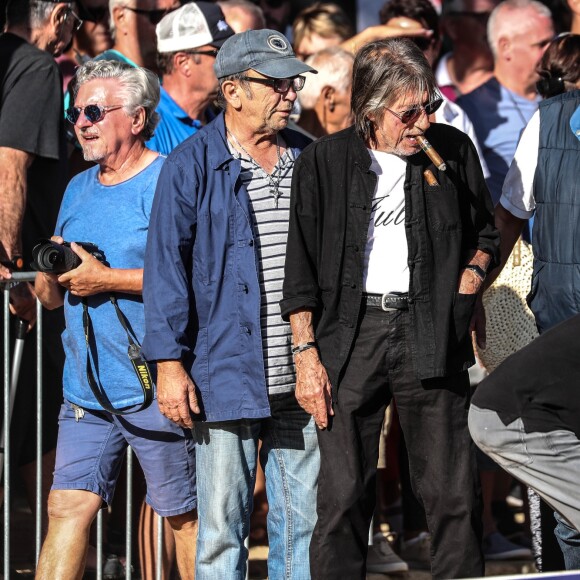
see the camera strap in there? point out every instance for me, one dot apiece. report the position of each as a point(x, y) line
point(140, 366)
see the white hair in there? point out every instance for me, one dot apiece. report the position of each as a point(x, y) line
point(499, 23)
point(334, 66)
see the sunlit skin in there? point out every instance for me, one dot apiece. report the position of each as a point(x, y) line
point(106, 140)
point(394, 136)
point(266, 110)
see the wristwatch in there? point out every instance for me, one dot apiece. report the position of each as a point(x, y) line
point(478, 270)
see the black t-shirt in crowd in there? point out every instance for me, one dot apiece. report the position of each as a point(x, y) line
point(539, 384)
point(32, 120)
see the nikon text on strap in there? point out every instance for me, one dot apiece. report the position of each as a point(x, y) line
point(133, 352)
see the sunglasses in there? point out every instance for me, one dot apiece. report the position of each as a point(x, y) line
point(93, 113)
point(208, 52)
point(279, 85)
point(413, 113)
point(154, 16)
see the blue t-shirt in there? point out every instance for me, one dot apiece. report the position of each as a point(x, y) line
point(116, 219)
point(499, 116)
point(575, 123)
point(174, 126)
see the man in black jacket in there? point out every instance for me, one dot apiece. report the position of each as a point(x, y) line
point(386, 253)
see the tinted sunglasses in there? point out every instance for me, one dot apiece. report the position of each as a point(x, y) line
point(413, 113)
point(279, 85)
point(93, 113)
point(154, 16)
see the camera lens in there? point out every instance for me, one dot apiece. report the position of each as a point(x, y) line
point(55, 258)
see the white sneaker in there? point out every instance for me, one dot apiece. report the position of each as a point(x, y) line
point(417, 552)
point(381, 559)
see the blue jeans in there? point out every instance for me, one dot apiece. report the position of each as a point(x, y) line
point(226, 454)
point(569, 540)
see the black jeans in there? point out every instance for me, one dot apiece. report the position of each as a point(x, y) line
point(433, 416)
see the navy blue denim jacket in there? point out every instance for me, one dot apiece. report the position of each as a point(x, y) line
point(200, 288)
point(332, 192)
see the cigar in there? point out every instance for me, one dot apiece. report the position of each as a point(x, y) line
point(431, 153)
point(430, 178)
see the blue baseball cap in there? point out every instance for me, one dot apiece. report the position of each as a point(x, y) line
point(266, 51)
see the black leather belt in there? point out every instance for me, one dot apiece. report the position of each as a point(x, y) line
point(387, 302)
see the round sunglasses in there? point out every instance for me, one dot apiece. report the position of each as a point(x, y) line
point(93, 113)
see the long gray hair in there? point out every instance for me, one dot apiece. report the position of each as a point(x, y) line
point(140, 87)
point(384, 71)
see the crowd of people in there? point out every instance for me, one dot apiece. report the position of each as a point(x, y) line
point(262, 240)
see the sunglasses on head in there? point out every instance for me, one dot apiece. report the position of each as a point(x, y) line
point(413, 113)
point(279, 85)
point(154, 16)
point(93, 113)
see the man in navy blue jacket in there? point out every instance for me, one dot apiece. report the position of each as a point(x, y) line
point(213, 279)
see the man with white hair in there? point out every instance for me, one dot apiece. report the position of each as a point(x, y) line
point(325, 99)
point(519, 31)
point(188, 41)
point(108, 390)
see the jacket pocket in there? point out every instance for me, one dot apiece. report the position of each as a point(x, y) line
point(442, 207)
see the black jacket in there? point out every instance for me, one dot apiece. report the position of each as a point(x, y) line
point(332, 192)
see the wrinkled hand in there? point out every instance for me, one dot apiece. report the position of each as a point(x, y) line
point(469, 282)
point(176, 393)
point(91, 277)
point(478, 322)
point(313, 389)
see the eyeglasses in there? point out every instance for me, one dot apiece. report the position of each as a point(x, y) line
point(93, 113)
point(77, 22)
point(208, 52)
point(279, 85)
point(414, 112)
point(154, 16)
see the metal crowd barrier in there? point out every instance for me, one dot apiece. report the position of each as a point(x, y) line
point(9, 393)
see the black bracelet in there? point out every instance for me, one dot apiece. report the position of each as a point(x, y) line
point(302, 347)
point(477, 270)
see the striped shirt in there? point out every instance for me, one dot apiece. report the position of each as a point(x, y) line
point(270, 224)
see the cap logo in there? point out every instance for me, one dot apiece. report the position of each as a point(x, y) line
point(277, 43)
point(222, 25)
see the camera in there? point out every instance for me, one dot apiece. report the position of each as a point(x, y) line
point(48, 256)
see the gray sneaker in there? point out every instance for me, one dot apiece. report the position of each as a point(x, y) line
point(382, 560)
point(417, 552)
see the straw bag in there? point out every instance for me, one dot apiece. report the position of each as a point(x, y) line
point(510, 323)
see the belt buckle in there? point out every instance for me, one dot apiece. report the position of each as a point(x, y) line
point(384, 307)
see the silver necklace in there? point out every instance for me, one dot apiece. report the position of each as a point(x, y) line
point(273, 181)
point(515, 104)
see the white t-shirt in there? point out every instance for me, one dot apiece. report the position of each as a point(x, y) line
point(517, 194)
point(385, 268)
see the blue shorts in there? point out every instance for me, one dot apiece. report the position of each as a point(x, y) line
point(90, 452)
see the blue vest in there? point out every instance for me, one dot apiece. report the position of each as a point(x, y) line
point(555, 293)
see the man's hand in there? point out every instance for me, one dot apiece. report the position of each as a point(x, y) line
point(469, 282)
point(91, 277)
point(23, 303)
point(176, 393)
point(313, 389)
